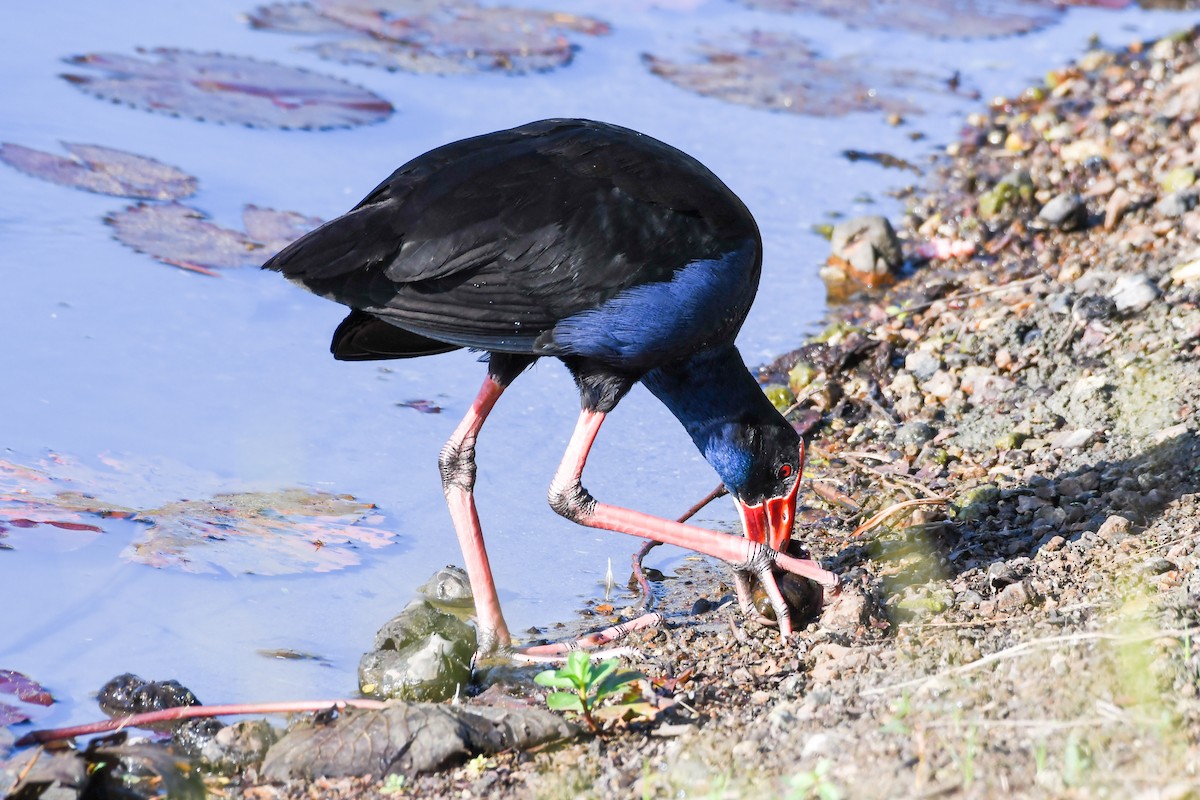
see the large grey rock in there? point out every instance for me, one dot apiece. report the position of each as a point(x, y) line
point(408, 739)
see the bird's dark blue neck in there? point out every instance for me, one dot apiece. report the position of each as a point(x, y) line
point(724, 410)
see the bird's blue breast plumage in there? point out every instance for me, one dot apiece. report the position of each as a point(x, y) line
point(646, 325)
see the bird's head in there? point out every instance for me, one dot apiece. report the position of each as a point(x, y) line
point(760, 462)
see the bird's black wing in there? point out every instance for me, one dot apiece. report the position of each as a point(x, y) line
point(489, 242)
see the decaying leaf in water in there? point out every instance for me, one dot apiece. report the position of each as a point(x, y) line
point(957, 19)
point(434, 37)
point(184, 237)
point(30, 497)
point(781, 72)
point(262, 533)
point(228, 89)
point(25, 688)
point(102, 170)
point(11, 715)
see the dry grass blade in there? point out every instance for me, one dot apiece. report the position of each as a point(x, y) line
point(896, 508)
point(1033, 645)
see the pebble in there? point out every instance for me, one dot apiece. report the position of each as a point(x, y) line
point(1069, 440)
point(940, 385)
point(922, 364)
point(915, 433)
point(1014, 596)
point(1133, 292)
point(1054, 545)
point(1158, 565)
point(1118, 203)
point(869, 244)
point(1114, 526)
point(1176, 204)
point(1066, 212)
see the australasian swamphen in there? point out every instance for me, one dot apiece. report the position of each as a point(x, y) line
point(621, 256)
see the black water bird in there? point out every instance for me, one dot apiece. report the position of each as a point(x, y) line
point(621, 256)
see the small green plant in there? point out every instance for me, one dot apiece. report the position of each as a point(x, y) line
point(900, 710)
point(581, 686)
point(392, 784)
point(814, 783)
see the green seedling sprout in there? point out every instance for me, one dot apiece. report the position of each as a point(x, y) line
point(581, 686)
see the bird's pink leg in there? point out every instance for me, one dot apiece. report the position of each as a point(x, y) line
point(457, 463)
point(569, 498)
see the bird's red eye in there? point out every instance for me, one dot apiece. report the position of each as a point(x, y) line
point(785, 472)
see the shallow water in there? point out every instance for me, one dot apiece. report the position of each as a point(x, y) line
point(225, 384)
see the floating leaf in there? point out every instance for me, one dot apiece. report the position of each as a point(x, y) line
point(434, 37)
point(422, 406)
point(228, 89)
point(11, 715)
point(182, 236)
point(781, 72)
point(25, 688)
point(274, 533)
point(293, 18)
point(102, 170)
point(958, 19)
point(31, 497)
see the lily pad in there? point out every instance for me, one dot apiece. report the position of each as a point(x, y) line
point(102, 170)
point(957, 19)
point(782, 72)
point(434, 37)
point(184, 237)
point(228, 89)
point(262, 533)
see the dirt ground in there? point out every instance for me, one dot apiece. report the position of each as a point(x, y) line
point(1029, 631)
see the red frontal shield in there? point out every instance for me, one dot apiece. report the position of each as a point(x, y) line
point(770, 521)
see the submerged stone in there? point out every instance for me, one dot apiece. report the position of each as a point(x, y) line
point(449, 586)
point(420, 654)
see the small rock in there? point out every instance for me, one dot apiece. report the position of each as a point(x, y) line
point(1054, 545)
point(941, 385)
point(817, 744)
point(969, 599)
point(984, 386)
point(1027, 504)
point(1093, 307)
point(702, 606)
point(1173, 432)
point(1000, 575)
point(1118, 203)
point(848, 611)
point(915, 433)
point(922, 364)
point(869, 245)
point(1014, 596)
point(1069, 440)
point(449, 586)
point(1186, 272)
point(1114, 526)
point(1176, 204)
point(976, 504)
point(1133, 292)
point(782, 715)
point(1158, 565)
point(1066, 212)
